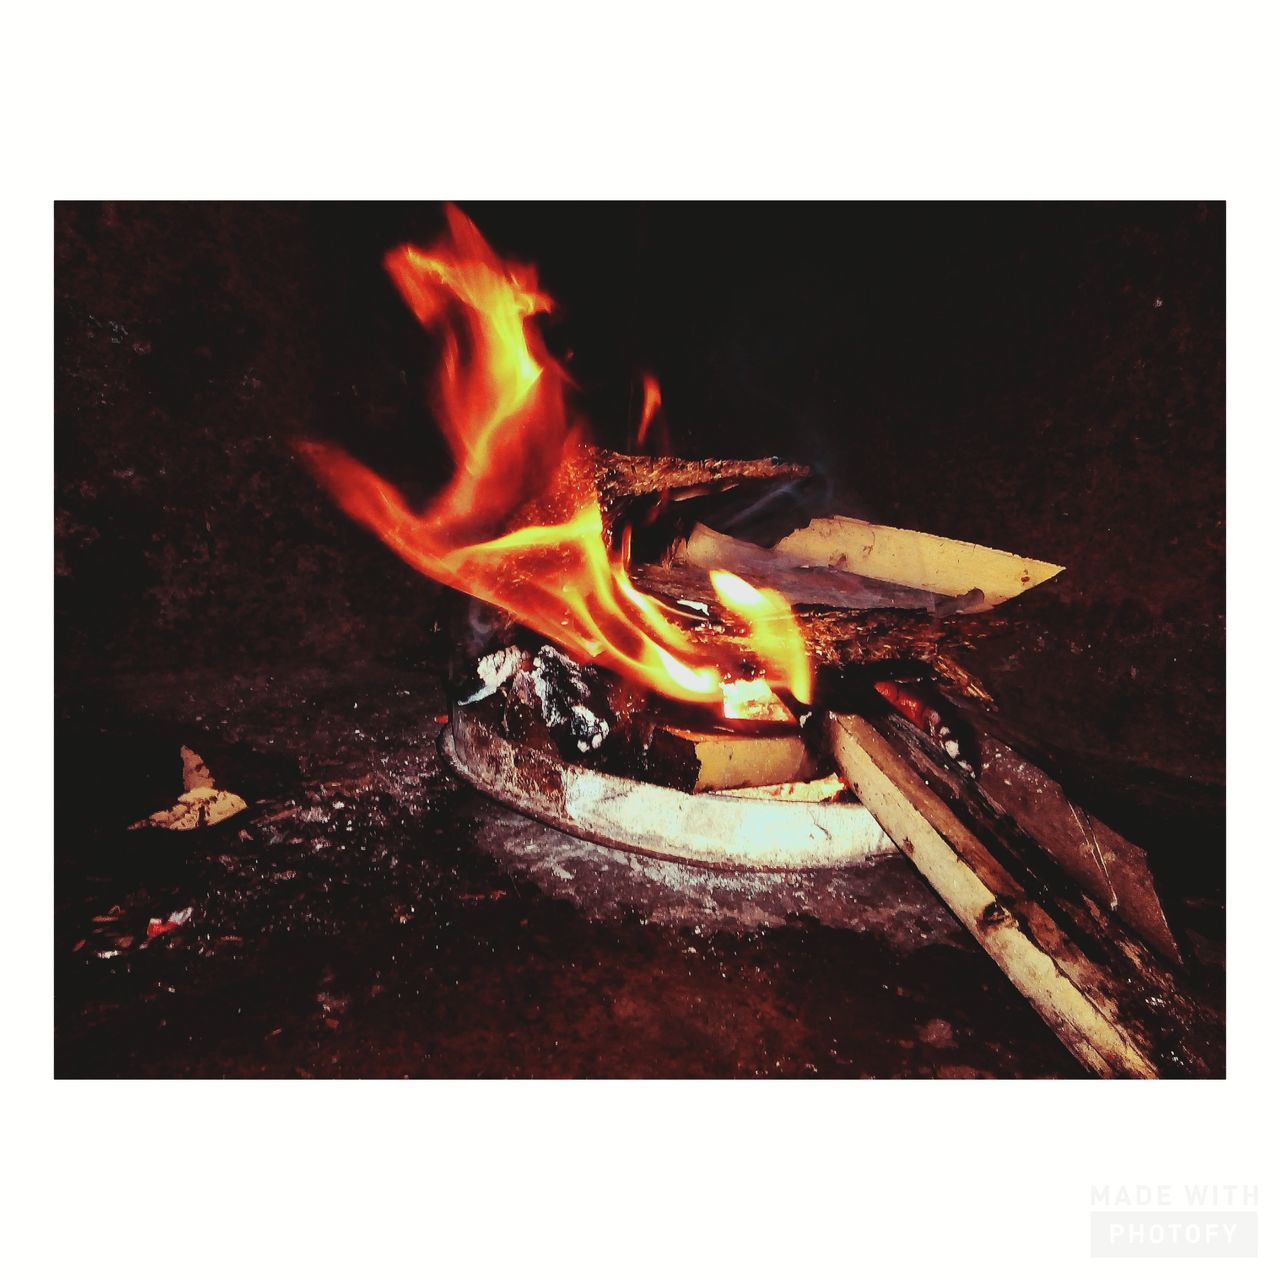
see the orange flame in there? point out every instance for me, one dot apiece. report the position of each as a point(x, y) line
point(652, 403)
point(772, 629)
point(519, 522)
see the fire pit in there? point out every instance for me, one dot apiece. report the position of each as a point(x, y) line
point(743, 831)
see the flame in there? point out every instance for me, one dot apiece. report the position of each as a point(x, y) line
point(754, 700)
point(652, 403)
point(772, 630)
point(519, 523)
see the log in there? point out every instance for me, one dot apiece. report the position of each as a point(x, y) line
point(920, 560)
point(1118, 1011)
point(837, 638)
point(1004, 786)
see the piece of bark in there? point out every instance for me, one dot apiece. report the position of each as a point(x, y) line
point(1112, 870)
point(1109, 1000)
point(621, 479)
point(195, 773)
point(195, 809)
point(765, 567)
point(912, 559)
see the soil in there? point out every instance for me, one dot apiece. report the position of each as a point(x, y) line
point(370, 916)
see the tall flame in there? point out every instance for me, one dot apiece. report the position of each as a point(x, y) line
point(519, 523)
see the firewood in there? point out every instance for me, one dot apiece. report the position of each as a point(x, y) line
point(837, 638)
point(1106, 998)
point(921, 560)
point(1005, 787)
point(621, 479)
point(589, 714)
point(1112, 870)
point(765, 567)
point(692, 761)
point(630, 488)
point(824, 790)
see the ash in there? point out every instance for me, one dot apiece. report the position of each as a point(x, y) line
point(565, 697)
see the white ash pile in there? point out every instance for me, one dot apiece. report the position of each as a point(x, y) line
point(570, 699)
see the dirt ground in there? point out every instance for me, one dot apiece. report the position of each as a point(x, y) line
point(369, 916)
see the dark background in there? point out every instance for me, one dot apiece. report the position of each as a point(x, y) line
point(1045, 378)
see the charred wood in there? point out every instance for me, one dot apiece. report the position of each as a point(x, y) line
point(839, 638)
point(622, 481)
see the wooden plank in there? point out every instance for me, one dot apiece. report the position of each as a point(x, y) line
point(924, 561)
point(694, 761)
point(1101, 993)
point(817, 791)
point(1013, 798)
point(1114, 871)
point(765, 566)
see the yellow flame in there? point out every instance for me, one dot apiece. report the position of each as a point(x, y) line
point(772, 628)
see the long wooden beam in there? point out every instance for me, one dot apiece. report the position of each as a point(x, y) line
point(1117, 1011)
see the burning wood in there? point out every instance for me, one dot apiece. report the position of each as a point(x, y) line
point(523, 523)
point(1111, 1003)
point(637, 670)
point(836, 639)
point(693, 761)
point(591, 715)
point(620, 480)
point(932, 716)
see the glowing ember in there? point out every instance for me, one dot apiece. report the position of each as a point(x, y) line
point(754, 700)
point(519, 523)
